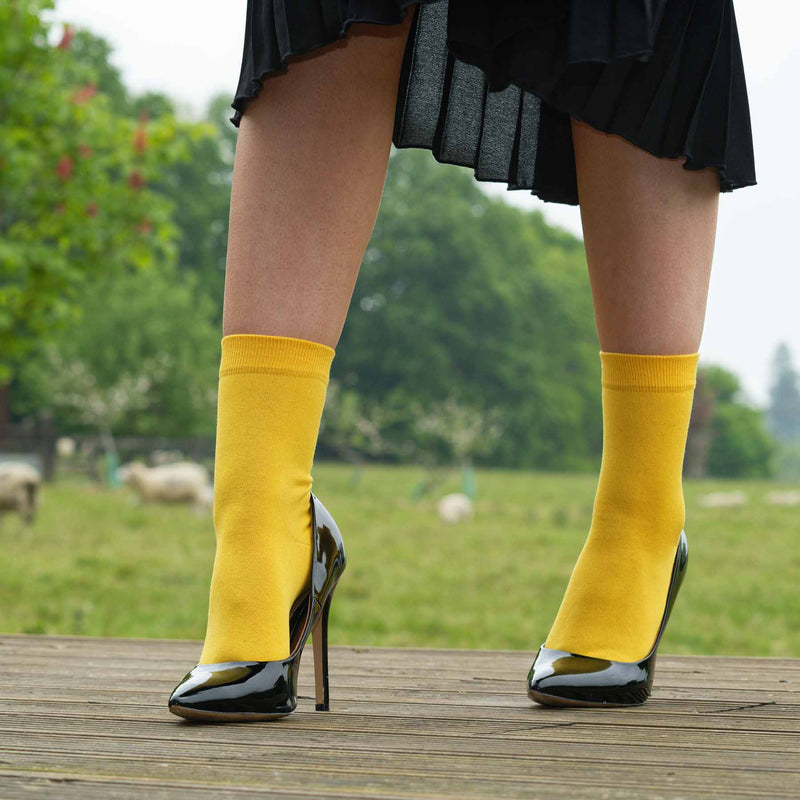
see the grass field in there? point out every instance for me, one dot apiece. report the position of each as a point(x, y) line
point(96, 563)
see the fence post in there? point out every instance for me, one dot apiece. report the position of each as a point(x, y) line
point(47, 444)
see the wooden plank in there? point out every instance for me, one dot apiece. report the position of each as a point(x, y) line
point(405, 684)
point(441, 738)
point(187, 650)
point(87, 718)
point(412, 778)
point(66, 786)
point(420, 702)
point(416, 695)
point(703, 714)
point(349, 663)
point(363, 716)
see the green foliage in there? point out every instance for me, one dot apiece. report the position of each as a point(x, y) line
point(75, 202)
point(90, 63)
point(219, 114)
point(199, 187)
point(741, 447)
point(740, 444)
point(464, 302)
point(141, 359)
point(724, 385)
point(787, 461)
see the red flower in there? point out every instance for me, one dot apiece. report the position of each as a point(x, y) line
point(84, 94)
point(136, 180)
point(64, 168)
point(85, 150)
point(92, 209)
point(146, 226)
point(140, 139)
point(67, 37)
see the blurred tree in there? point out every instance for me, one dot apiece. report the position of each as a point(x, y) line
point(462, 296)
point(722, 382)
point(200, 187)
point(784, 406)
point(698, 443)
point(219, 114)
point(90, 63)
point(75, 196)
point(351, 429)
point(141, 359)
point(152, 105)
point(740, 445)
point(198, 184)
point(463, 433)
point(788, 462)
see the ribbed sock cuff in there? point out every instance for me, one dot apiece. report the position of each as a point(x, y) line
point(652, 373)
point(254, 353)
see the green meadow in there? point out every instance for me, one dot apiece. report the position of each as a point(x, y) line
point(97, 563)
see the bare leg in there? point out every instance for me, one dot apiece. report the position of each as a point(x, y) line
point(310, 166)
point(649, 228)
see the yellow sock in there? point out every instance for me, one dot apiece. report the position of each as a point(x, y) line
point(271, 395)
point(616, 595)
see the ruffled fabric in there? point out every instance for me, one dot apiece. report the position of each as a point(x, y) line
point(605, 31)
point(492, 86)
point(276, 30)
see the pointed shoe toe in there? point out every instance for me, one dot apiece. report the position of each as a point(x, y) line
point(236, 691)
point(560, 678)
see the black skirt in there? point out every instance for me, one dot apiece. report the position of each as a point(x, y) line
point(492, 85)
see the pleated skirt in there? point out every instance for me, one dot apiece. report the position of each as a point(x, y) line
point(492, 85)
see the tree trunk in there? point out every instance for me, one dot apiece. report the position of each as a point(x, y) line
point(5, 404)
point(704, 407)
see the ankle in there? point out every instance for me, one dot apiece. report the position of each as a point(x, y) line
point(655, 520)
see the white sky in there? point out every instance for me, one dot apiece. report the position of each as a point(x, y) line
point(192, 50)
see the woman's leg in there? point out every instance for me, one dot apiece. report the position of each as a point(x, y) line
point(309, 171)
point(310, 166)
point(649, 227)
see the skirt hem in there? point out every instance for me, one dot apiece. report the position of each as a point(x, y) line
point(550, 196)
point(256, 83)
point(555, 181)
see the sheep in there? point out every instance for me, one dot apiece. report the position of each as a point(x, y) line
point(455, 507)
point(722, 499)
point(66, 446)
point(180, 482)
point(783, 498)
point(205, 499)
point(19, 487)
point(159, 457)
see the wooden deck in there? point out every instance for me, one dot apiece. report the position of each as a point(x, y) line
point(86, 718)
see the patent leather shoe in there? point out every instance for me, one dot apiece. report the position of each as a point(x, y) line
point(244, 691)
point(559, 678)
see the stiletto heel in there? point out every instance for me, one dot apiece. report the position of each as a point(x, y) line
point(245, 691)
point(559, 678)
point(320, 643)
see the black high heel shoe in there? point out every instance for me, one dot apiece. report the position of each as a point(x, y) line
point(244, 691)
point(558, 678)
